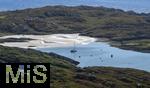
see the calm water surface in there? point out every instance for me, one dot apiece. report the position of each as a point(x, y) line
point(101, 54)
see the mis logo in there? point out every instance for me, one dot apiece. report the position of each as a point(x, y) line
point(33, 75)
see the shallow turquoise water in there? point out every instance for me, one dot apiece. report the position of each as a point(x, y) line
point(101, 54)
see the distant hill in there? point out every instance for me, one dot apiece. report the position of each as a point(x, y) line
point(94, 21)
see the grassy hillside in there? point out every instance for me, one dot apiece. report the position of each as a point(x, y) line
point(94, 21)
point(18, 55)
point(65, 74)
point(117, 25)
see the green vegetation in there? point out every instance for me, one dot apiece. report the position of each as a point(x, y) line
point(17, 55)
point(142, 45)
point(117, 25)
point(64, 74)
point(2, 17)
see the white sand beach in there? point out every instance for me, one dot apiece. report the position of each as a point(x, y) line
point(43, 41)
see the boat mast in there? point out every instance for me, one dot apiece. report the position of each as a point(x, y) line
point(74, 45)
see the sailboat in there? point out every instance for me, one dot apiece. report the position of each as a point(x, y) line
point(73, 50)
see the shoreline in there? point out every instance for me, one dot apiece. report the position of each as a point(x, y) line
point(63, 40)
point(69, 40)
point(48, 41)
point(125, 46)
point(129, 47)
